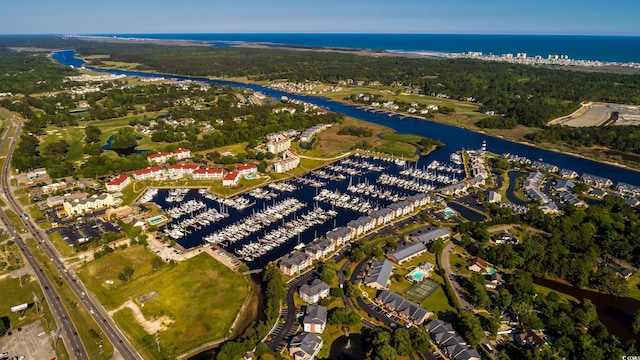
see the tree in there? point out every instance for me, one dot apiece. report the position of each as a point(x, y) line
point(126, 274)
point(636, 322)
point(419, 339)
point(343, 315)
point(384, 352)
point(92, 134)
point(124, 139)
point(401, 341)
point(156, 263)
point(4, 325)
point(470, 328)
point(327, 270)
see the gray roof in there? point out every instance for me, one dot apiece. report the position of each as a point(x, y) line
point(595, 178)
point(316, 314)
point(379, 273)
point(408, 251)
point(307, 342)
point(339, 232)
point(398, 303)
point(432, 234)
point(361, 221)
point(439, 326)
point(380, 213)
point(399, 205)
point(294, 259)
point(417, 197)
point(316, 287)
point(565, 184)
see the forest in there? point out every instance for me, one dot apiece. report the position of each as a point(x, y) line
point(622, 138)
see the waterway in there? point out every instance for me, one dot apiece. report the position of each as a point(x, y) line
point(616, 313)
point(455, 138)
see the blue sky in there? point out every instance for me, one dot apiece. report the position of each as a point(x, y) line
point(616, 17)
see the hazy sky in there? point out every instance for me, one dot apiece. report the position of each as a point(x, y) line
point(332, 16)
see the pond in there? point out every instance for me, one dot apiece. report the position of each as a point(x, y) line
point(511, 196)
point(122, 152)
point(350, 347)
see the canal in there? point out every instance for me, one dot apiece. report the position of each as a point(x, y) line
point(616, 313)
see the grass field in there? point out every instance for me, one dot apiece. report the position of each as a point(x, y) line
point(200, 296)
point(10, 257)
point(78, 313)
point(16, 221)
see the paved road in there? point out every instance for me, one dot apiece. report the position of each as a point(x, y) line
point(123, 348)
point(453, 278)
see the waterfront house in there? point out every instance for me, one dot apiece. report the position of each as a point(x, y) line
point(294, 263)
point(314, 292)
point(628, 189)
point(305, 346)
point(569, 198)
point(231, 178)
point(361, 225)
point(379, 274)
point(419, 199)
point(290, 160)
point(207, 174)
point(118, 183)
point(549, 207)
point(568, 174)
point(182, 169)
point(597, 181)
point(315, 319)
point(382, 216)
point(454, 189)
point(246, 169)
point(152, 172)
point(433, 233)
point(408, 252)
point(320, 248)
point(340, 235)
point(633, 202)
point(404, 308)
point(545, 166)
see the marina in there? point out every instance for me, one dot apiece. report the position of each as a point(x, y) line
point(268, 222)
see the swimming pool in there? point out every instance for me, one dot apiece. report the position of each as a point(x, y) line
point(156, 219)
point(448, 211)
point(416, 275)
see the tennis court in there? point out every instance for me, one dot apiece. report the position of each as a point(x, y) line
point(423, 289)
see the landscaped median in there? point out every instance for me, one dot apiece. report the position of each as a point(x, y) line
point(166, 309)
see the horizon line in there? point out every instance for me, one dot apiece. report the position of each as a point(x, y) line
point(315, 33)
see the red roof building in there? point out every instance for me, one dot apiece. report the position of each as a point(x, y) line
point(181, 153)
point(148, 173)
point(181, 169)
point(246, 169)
point(207, 174)
point(118, 183)
point(231, 178)
point(159, 158)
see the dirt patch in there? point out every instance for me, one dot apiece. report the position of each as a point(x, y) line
point(150, 326)
point(599, 114)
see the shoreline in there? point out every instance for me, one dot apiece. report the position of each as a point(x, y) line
point(402, 116)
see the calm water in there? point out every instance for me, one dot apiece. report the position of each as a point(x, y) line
point(304, 194)
point(349, 347)
point(616, 313)
point(603, 48)
point(455, 138)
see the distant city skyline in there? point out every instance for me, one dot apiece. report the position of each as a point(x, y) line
point(563, 17)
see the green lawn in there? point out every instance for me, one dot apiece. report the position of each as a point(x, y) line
point(81, 318)
point(16, 221)
point(397, 148)
point(200, 296)
point(10, 257)
point(62, 246)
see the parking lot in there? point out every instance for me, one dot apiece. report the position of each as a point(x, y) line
point(31, 342)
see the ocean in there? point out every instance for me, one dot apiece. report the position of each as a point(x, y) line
point(623, 49)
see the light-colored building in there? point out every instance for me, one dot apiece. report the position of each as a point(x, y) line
point(151, 172)
point(118, 183)
point(494, 197)
point(81, 206)
point(305, 346)
point(290, 160)
point(379, 274)
point(54, 187)
point(181, 154)
point(182, 169)
point(159, 158)
point(231, 178)
point(294, 263)
point(314, 292)
point(408, 252)
point(246, 169)
point(315, 319)
point(279, 144)
point(207, 174)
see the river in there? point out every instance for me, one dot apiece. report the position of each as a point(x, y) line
point(455, 138)
point(616, 313)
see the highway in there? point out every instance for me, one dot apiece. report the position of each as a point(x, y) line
point(123, 348)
